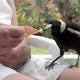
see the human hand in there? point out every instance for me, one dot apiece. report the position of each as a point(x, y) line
point(13, 49)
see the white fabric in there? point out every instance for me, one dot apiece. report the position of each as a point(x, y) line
point(35, 68)
point(44, 43)
point(5, 71)
point(5, 12)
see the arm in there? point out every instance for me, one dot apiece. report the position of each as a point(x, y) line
point(13, 54)
point(12, 5)
point(17, 77)
point(70, 74)
point(5, 72)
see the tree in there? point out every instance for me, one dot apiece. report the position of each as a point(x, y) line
point(70, 9)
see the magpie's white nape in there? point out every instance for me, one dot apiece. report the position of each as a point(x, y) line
point(62, 26)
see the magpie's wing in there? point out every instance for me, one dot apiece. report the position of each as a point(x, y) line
point(73, 26)
point(73, 31)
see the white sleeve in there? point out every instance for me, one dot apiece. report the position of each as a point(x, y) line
point(44, 43)
point(5, 71)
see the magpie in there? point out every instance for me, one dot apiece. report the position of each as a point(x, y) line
point(66, 35)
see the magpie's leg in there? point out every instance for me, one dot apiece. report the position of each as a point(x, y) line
point(51, 65)
point(77, 63)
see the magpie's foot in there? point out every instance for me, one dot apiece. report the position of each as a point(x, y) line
point(50, 66)
point(72, 66)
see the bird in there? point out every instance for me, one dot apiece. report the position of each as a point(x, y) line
point(66, 35)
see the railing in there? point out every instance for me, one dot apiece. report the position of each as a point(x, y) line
point(67, 59)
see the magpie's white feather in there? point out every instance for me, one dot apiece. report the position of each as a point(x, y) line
point(73, 31)
point(63, 25)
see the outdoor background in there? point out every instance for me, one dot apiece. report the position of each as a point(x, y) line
point(34, 12)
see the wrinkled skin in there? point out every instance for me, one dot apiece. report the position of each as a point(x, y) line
point(13, 49)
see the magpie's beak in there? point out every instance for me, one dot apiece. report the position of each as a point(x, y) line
point(48, 27)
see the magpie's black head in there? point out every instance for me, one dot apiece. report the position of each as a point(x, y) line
point(57, 26)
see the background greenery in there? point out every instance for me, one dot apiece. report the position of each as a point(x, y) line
point(35, 12)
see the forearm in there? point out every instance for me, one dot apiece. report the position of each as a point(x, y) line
point(70, 74)
point(17, 77)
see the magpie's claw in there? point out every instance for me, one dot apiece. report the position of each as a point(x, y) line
point(50, 66)
point(72, 66)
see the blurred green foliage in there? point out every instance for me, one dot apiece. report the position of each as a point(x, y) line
point(35, 12)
